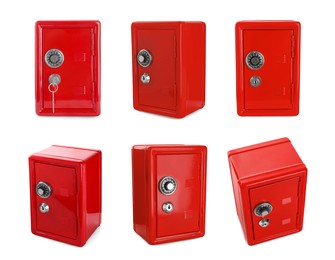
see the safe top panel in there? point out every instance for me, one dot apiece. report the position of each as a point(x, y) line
point(267, 68)
point(68, 68)
point(258, 159)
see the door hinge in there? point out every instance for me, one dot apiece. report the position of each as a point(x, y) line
point(292, 46)
point(92, 38)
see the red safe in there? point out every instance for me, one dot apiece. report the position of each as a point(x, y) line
point(269, 182)
point(67, 68)
point(169, 67)
point(267, 68)
point(65, 193)
point(169, 192)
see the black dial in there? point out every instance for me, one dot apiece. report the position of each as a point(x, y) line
point(144, 58)
point(54, 58)
point(255, 60)
point(263, 209)
point(43, 190)
point(167, 185)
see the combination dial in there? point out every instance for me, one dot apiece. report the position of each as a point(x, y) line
point(43, 190)
point(263, 209)
point(54, 58)
point(167, 185)
point(255, 60)
point(144, 58)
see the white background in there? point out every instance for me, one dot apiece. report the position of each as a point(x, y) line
point(119, 127)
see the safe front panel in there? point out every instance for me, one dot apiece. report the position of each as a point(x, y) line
point(61, 217)
point(275, 89)
point(160, 92)
point(185, 170)
point(283, 196)
point(267, 68)
point(68, 68)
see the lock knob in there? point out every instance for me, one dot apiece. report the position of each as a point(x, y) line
point(167, 185)
point(43, 190)
point(144, 58)
point(263, 209)
point(255, 60)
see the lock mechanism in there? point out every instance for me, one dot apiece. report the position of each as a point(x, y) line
point(54, 79)
point(144, 58)
point(263, 209)
point(43, 190)
point(264, 222)
point(167, 185)
point(167, 207)
point(255, 81)
point(44, 208)
point(54, 58)
point(145, 78)
point(255, 60)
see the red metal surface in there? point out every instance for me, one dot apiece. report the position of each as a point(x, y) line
point(177, 72)
point(74, 174)
point(187, 165)
point(269, 172)
point(78, 92)
point(278, 93)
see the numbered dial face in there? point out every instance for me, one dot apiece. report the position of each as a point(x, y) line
point(54, 58)
point(167, 185)
point(263, 209)
point(144, 58)
point(255, 60)
point(43, 190)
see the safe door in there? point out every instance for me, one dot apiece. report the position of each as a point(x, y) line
point(155, 67)
point(268, 68)
point(55, 200)
point(67, 68)
point(178, 193)
point(275, 208)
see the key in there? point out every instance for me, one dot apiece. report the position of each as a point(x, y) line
point(54, 80)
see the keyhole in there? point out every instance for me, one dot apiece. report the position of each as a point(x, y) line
point(145, 78)
point(167, 207)
point(264, 222)
point(255, 81)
